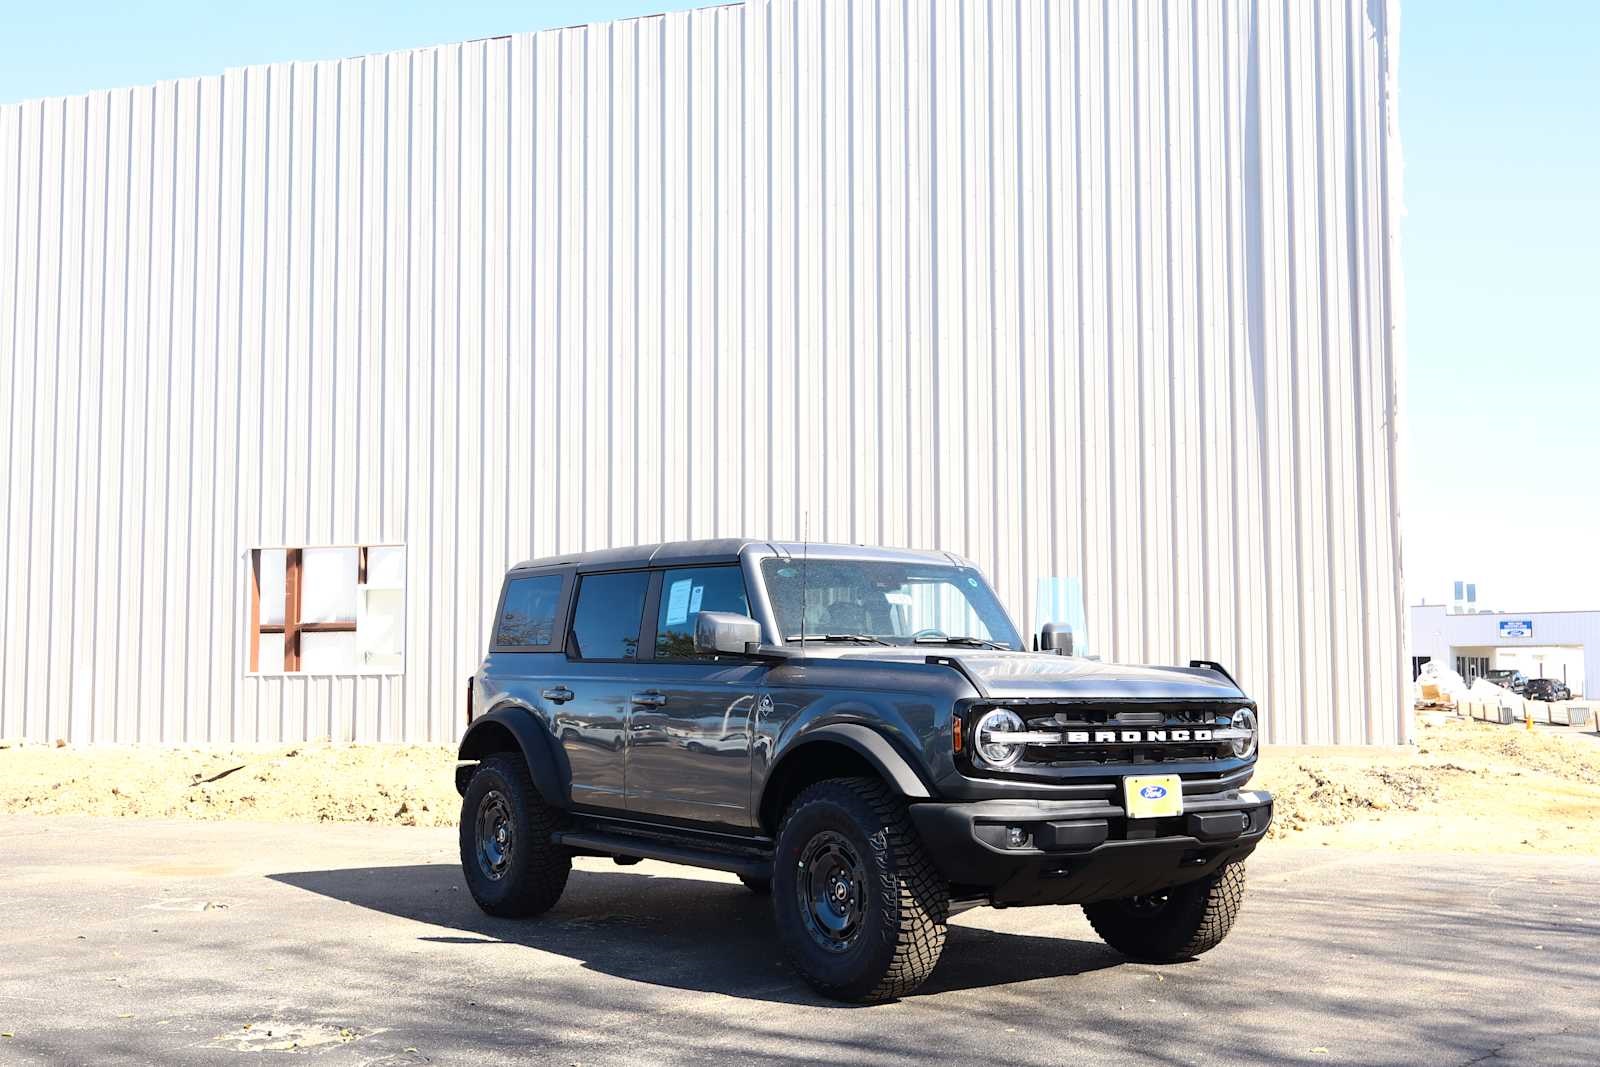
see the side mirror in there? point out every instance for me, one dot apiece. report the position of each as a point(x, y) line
point(723, 633)
point(1056, 637)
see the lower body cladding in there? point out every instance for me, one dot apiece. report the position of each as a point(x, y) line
point(1021, 852)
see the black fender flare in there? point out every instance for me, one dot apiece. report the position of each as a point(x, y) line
point(546, 759)
point(871, 746)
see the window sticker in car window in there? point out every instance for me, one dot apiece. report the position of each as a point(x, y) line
point(678, 601)
point(694, 599)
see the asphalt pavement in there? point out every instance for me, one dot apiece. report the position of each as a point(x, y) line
point(140, 942)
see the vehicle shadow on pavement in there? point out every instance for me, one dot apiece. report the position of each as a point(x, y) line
point(685, 933)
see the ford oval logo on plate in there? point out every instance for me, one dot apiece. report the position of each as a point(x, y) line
point(1152, 796)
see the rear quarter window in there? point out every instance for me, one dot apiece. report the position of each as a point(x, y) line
point(528, 612)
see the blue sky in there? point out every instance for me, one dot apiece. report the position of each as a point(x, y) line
point(1500, 122)
point(1500, 126)
point(72, 46)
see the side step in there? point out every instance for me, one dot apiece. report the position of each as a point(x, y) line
point(750, 865)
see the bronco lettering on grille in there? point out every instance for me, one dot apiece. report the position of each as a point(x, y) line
point(1135, 737)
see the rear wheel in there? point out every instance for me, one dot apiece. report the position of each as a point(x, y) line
point(510, 863)
point(859, 906)
point(1174, 924)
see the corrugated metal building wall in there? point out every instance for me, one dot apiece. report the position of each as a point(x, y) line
point(1075, 289)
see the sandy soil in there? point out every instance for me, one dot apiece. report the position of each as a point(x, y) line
point(412, 785)
point(1465, 786)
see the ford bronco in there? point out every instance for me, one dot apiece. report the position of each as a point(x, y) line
point(861, 733)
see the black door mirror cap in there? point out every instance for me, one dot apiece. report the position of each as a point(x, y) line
point(1056, 637)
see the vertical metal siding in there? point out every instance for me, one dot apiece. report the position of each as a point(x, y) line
point(1104, 290)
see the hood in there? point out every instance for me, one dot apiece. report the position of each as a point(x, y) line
point(1045, 674)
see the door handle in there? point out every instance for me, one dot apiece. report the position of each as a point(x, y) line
point(650, 699)
point(558, 695)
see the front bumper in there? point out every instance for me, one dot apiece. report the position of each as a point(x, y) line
point(1076, 851)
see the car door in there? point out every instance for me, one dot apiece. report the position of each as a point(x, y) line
point(689, 729)
point(590, 720)
point(525, 666)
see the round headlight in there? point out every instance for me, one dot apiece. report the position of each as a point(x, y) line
point(1245, 747)
point(996, 721)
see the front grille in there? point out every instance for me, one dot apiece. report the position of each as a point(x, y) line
point(1090, 756)
point(1095, 723)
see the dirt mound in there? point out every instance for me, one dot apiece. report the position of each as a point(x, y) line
point(1306, 793)
point(412, 785)
point(1464, 786)
point(1541, 753)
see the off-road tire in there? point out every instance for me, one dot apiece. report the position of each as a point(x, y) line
point(903, 908)
point(759, 886)
point(535, 870)
point(1194, 918)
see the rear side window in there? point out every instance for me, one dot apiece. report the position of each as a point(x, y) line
point(528, 615)
point(606, 622)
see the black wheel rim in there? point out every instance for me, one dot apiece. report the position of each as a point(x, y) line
point(831, 890)
point(497, 835)
point(1148, 905)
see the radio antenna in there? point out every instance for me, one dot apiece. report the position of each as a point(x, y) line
point(805, 569)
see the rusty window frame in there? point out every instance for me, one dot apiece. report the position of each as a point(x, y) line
point(291, 628)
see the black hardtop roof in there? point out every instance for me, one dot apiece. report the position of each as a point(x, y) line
point(727, 550)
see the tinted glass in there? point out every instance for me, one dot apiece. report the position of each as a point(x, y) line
point(893, 603)
point(528, 616)
point(685, 593)
point(606, 622)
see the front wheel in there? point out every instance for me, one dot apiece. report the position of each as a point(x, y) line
point(1173, 924)
point(859, 906)
point(507, 857)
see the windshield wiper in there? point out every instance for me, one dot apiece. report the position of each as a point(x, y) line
point(865, 639)
point(973, 642)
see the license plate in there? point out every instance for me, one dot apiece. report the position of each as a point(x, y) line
point(1152, 796)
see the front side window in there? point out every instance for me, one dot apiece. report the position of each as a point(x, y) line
point(885, 602)
point(331, 610)
point(605, 624)
point(528, 614)
point(685, 593)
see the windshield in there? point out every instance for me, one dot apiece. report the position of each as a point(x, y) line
point(883, 602)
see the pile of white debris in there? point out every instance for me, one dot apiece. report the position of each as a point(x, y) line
point(1441, 689)
point(1438, 687)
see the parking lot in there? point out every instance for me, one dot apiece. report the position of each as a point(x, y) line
point(126, 941)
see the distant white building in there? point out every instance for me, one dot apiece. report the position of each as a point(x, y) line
point(1540, 644)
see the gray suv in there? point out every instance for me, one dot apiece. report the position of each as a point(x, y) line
point(863, 734)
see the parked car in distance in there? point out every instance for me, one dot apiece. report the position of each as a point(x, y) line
point(1506, 679)
point(1547, 689)
point(862, 734)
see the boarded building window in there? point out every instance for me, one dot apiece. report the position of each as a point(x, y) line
point(333, 610)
